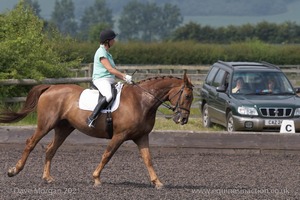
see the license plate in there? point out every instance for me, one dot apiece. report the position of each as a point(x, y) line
point(270, 122)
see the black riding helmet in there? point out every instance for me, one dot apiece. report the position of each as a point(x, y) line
point(107, 35)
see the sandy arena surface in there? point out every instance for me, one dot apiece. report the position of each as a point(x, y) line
point(187, 173)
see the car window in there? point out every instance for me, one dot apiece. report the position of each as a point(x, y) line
point(211, 75)
point(262, 82)
point(283, 84)
point(219, 79)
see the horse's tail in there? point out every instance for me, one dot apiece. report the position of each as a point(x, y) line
point(9, 116)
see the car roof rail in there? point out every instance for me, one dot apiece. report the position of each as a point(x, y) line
point(225, 63)
point(270, 65)
point(262, 62)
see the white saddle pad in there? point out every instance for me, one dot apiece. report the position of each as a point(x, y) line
point(89, 99)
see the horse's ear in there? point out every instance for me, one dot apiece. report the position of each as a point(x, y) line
point(186, 80)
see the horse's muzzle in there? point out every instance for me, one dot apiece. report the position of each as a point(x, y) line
point(181, 118)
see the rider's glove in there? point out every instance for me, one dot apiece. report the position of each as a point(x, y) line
point(128, 79)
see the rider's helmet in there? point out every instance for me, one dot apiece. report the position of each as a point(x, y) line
point(107, 35)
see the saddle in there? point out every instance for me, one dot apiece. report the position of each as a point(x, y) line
point(89, 98)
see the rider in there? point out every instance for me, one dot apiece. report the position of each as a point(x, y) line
point(239, 85)
point(104, 73)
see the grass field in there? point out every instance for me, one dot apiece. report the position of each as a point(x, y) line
point(161, 123)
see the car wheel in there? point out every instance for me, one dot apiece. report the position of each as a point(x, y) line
point(230, 124)
point(205, 117)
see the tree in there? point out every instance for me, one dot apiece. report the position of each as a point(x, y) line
point(147, 21)
point(94, 32)
point(63, 17)
point(34, 5)
point(95, 15)
point(266, 31)
point(288, 32)
point(130, 21)
point(25, 52)
point(171, 18)
point(246, 32)
point(190, 31)
point(151, 23)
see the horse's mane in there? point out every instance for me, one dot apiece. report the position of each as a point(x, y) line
point(158, 78)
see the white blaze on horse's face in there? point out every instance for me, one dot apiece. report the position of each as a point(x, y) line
point(183, 105)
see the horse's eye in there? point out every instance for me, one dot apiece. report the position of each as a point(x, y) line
point(187, 96)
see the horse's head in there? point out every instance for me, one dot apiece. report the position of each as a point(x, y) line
point(181, 98)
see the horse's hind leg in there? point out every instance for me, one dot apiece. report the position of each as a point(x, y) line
point(30, 144)
point(143, 145)
point(62, 131)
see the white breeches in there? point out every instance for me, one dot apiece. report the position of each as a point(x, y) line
point(104, 86)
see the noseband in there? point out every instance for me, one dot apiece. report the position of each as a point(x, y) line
point(174, 108)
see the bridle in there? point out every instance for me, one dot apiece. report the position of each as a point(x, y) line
point(178, 100)
point(170, 107)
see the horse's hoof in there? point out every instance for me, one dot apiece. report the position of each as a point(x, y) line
point(11, 171)
point(159, 186)
point(49, 180)
point(97, 183)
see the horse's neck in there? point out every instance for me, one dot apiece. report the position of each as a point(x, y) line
point(157, 90)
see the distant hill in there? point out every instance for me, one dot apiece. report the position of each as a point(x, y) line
point(212, 12)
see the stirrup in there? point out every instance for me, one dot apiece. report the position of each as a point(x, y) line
point(90, 122)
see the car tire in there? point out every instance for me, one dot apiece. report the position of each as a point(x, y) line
point(205, 117)
point(229, 123)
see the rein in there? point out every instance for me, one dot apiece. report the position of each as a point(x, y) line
point(173, 108)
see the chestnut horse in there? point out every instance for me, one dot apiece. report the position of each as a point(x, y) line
point(57, 108)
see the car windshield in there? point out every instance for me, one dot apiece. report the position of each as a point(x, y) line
point(260, 83)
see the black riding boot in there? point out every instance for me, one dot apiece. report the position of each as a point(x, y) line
point(102, 103)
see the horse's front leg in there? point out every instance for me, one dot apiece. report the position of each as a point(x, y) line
point(111, 148)
point(143, 145)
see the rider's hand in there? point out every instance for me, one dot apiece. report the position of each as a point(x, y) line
point(128, 79)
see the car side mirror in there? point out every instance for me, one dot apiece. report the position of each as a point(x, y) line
point(297, 89)
point(221, 88)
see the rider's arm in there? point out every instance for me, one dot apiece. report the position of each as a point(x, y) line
point(112, 70)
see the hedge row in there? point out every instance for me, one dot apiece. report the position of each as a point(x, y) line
point(189, 52)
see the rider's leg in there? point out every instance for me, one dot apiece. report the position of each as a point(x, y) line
point(104, 87)
point(102, 103)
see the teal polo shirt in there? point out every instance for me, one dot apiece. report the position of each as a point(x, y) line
point(99, 71)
